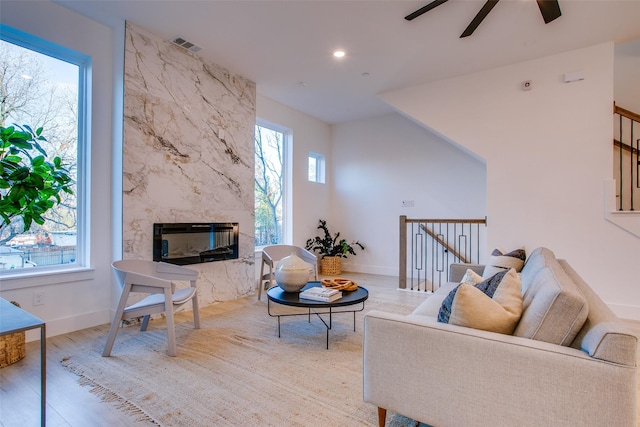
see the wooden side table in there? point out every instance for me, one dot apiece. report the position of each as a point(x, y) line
point(14, 319)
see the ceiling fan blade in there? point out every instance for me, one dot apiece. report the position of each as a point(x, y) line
point(550, 10)
point(424, 9)
point(490, 4)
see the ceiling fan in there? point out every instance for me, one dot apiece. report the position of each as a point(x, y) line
point(550, 10)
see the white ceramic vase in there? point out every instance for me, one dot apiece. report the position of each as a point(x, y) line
point(292, 273)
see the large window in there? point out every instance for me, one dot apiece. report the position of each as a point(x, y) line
point(44, 87)
point(270, 216)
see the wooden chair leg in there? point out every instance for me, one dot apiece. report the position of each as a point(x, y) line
point(115, 324)
point(382, 416)
point(171, 331)
point(260, 279)
point(145, 322)
point(196, 307)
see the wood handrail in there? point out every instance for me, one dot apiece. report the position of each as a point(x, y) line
point(442, 221)
point(444, 244)
point(626, 113)
point(625, 147)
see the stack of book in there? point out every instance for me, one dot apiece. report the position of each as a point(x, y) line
point(319, 293)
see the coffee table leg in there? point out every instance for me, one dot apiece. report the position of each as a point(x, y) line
point(354, 321)
point(327, 338)
point(269, 312)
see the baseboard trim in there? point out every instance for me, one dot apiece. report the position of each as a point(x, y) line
point(71, 324)
point(369, 269)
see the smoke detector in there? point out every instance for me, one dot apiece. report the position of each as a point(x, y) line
point(179, 41)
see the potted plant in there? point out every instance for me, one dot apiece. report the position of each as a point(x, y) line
point(331, 249)
point(29, 183)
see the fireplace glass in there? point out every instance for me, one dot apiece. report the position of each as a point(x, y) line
point(193, 243)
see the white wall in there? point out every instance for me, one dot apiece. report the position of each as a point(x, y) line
point(626, 70)
point(548, 154)
point(381, 161)
point(75, 300)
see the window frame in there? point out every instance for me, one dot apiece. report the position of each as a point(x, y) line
point(287, 142)
point(83, 179)
point(320, 160)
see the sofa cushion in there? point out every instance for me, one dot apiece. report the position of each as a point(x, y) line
point(554, 308)
point(494, 304)
point(500, 261)
point(431, 305)
point(538, 259)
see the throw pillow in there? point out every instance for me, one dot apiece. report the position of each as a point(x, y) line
point(471, 277)
point(494, 305)
point(500, 261)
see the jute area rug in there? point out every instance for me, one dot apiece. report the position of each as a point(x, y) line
point(235, 370)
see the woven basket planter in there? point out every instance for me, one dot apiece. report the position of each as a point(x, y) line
point(331, 265)
point(12, 347)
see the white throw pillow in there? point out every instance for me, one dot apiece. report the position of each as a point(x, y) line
point(471, 278)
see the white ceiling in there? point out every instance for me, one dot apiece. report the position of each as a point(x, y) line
point(278, 44)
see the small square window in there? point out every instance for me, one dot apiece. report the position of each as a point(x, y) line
point(316, 167)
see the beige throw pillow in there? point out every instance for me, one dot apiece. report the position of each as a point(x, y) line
point(490, 306)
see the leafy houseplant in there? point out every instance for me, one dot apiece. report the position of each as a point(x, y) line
point(331, 249)
point(29, 183)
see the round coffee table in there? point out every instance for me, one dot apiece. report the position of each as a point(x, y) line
point(277, 295)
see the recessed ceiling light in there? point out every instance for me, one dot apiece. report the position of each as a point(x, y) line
point(339, 53)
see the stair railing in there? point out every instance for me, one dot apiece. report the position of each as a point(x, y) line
point(429, 246)
point(628, 145)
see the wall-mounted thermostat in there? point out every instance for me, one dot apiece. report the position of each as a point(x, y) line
point(573, 77)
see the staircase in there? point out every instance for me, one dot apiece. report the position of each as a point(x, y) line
point(429, 246)
point(626, 143)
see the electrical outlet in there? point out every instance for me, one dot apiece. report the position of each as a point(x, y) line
point(38, 298)
point(407, 203)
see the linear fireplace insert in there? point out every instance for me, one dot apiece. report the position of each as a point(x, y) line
point(193, 243)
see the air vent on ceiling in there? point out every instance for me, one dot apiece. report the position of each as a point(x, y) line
point(185, 44)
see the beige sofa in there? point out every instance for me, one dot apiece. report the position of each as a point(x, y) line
point(570, 361)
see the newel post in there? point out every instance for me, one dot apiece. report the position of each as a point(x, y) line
point(402, 267)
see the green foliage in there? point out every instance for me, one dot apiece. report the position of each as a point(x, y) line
point(329, 245)
point(29, 184)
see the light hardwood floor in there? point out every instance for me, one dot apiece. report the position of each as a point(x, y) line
point(70, 404)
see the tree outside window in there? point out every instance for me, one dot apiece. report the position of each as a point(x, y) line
point(269, 179)
point(42, 92)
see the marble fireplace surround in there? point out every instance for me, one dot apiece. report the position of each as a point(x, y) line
point(188, 155)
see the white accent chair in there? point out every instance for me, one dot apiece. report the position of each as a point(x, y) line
point(154, 278)
point(272, 254)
